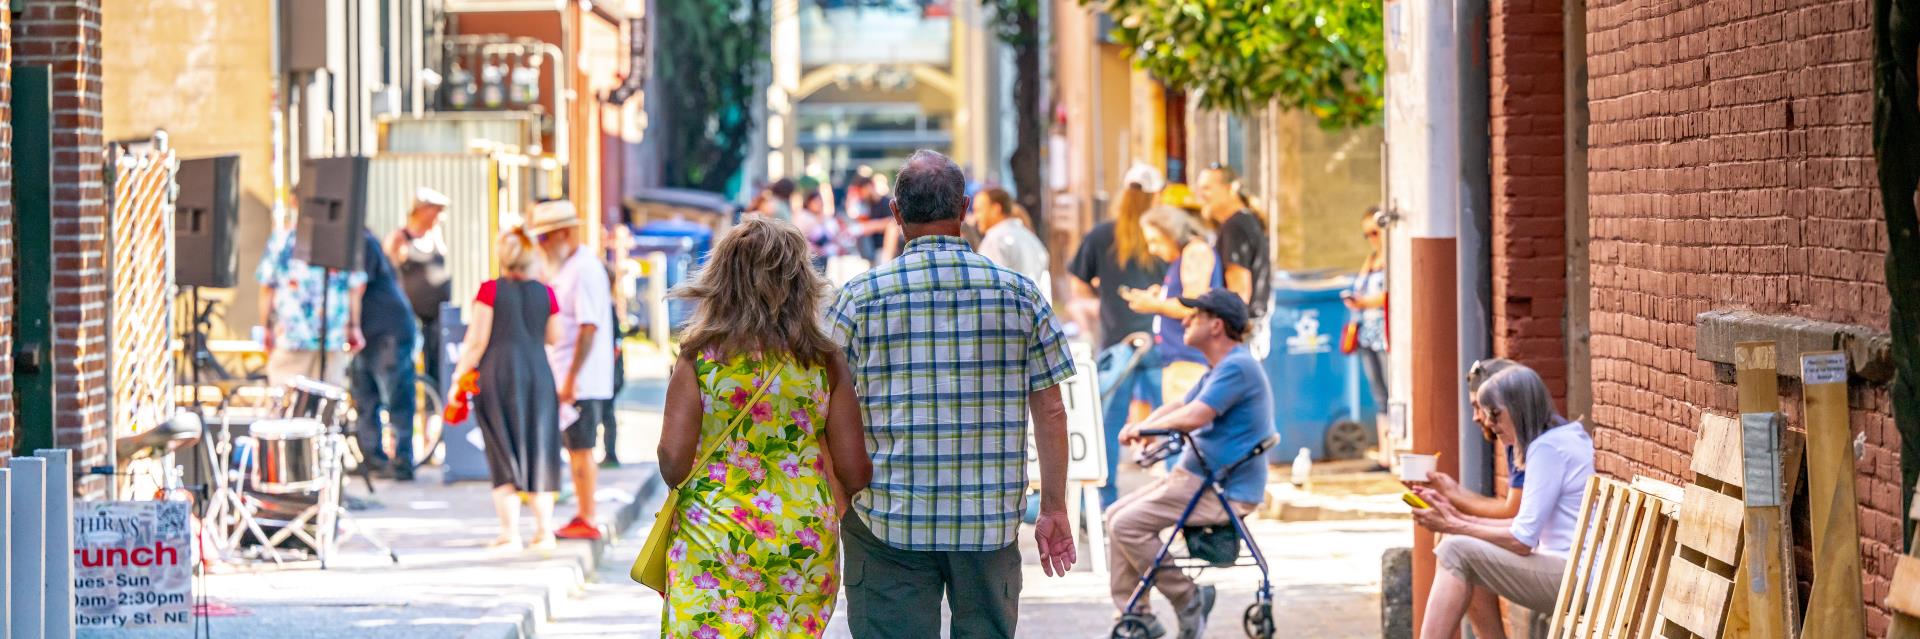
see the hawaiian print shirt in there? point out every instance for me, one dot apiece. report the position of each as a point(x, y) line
point(297, 297)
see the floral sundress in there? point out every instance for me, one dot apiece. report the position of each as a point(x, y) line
point(756, 537)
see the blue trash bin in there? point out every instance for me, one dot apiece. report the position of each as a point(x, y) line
point(1316, 389)
point(686, 245)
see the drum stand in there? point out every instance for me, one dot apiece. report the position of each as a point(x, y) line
point(228, 496)
point(328, 514)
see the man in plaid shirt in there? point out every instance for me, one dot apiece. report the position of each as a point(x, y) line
point(951, 352)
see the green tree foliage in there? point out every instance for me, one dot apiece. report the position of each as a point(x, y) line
point(711, 53)
point(1323, 56)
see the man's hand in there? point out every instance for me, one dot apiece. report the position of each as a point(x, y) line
point(565, 392)
point(356, 340)
point(1130, 435)
point(266, 338)
point(1054, 535)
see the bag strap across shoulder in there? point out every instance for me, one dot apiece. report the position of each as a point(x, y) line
point(727, 433)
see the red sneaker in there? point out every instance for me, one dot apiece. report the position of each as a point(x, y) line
point(578, 529)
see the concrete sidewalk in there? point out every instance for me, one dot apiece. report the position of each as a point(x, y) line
point(446, 583)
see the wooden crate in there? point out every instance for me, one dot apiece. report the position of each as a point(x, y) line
point(1618, 564)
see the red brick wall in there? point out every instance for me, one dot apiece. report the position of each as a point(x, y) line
point(65, 35)
point(1528, 187)
point(1731, 167)
point(6, 238)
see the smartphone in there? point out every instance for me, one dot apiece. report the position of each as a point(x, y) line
point(1414, 500)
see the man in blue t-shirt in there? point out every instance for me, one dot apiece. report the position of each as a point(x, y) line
point(1227, 415)
point(382, 374)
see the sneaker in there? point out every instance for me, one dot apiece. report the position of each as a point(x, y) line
point(578, 529)
point(1193, 619)
point(610, 464)
point(403, 473)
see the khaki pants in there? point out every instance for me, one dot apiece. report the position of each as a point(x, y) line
point(1135, 522)
point(284, 364)
point(1532, 581)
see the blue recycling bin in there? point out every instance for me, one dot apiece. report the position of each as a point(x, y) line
point(1319, 394)
point(686, 245)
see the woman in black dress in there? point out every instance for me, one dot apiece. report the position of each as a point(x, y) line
point(515, 407)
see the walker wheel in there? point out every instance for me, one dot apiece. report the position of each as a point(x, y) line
point(1259, 621)
point(1132, 627)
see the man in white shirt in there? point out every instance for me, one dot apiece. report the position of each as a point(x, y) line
point(1007, 241)
point(582, 356)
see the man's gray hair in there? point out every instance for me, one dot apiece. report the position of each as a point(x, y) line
point(1519, 392)
point(930, 188)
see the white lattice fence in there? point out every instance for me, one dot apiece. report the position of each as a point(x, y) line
point(140, 354)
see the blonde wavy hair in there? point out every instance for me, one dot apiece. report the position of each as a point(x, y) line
point(758, 293)
point(516, 251)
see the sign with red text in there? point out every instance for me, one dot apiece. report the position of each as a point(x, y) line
point(132, 565)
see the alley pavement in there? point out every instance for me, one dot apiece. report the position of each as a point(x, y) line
point(1326, 574)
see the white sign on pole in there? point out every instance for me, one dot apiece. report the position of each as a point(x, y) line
point(1086, 430)
point(132, 565)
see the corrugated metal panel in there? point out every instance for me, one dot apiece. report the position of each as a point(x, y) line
point(457, 133)
point(469, 225)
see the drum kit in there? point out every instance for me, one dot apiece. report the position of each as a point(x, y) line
point(297, 452)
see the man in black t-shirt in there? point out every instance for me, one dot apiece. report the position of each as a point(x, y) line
point(1241, 241)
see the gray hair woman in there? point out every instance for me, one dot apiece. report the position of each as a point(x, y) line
point(1522, 558)
point(1468, 501)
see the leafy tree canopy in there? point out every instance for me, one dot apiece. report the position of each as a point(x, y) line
point(1324, 56)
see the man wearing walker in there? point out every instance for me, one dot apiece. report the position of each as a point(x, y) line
point(1228, 414)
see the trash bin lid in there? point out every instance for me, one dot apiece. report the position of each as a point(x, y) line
point(675, 228)
point(1291, 287)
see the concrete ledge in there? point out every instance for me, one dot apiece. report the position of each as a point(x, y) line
point(1715, 333)
point(1288, 503)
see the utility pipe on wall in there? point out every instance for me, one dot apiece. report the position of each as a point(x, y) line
point(1423, 115)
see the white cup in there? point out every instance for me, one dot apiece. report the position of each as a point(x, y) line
point(1415, 466)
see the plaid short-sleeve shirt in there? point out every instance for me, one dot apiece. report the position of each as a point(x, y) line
point(945, 347)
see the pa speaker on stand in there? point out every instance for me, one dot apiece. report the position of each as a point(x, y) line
point(332, 197)
point(203, 220)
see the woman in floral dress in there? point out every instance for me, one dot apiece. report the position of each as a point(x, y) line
point(755, 545)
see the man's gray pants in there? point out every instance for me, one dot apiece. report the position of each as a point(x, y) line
point(896, 593)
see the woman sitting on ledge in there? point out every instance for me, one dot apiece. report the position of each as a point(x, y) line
point(1523, 558)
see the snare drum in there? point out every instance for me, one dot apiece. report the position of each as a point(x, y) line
point(288, 455)
point(311, 399)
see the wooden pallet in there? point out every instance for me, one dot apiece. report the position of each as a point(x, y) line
point(1618, 564)
point(1701, 576)
point(1709, 554)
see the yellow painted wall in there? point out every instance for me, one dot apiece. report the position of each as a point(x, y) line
point(201, 71)
point(1326, 180)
